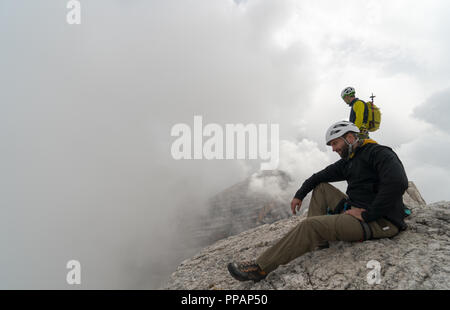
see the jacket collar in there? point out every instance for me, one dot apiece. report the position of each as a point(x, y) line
point(364, 142)
point(353, 102)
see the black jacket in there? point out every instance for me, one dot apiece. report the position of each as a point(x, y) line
point(376, 182)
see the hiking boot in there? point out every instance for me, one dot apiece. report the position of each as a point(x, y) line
point(246, 271)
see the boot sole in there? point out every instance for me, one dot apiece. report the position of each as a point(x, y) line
point(238, 277)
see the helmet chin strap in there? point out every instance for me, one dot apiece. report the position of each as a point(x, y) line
point(350, 146)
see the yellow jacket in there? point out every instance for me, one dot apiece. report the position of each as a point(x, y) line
point(359, 115)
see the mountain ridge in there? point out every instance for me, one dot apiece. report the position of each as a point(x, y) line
point(417, 258)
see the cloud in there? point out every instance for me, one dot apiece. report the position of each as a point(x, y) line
point(425, 161)
point(299, 160)
point(436, 110)
point(86, 118)
point(86, 113)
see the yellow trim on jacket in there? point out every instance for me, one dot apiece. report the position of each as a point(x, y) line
point(365, 141)
point(358, 107)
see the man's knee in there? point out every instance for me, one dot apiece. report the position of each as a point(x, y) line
point(321, 190)
point(329, 190)
point(322, 186)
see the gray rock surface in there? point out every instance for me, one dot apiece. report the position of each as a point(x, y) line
point(418, 258)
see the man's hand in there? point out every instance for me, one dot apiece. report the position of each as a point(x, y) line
point(356, 212)
point(295, 205)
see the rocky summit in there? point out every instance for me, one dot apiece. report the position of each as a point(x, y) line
point(417, 258)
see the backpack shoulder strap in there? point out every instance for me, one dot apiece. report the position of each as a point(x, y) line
point(366, 112)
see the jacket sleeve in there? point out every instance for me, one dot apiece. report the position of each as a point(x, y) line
point(392, 183)
point(332, 173)
point(358, 108)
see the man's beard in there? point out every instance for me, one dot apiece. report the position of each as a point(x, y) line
point(344, 153)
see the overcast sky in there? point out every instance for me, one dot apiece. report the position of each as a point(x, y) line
point(86, 113)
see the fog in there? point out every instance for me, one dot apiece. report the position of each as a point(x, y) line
point(86, 113)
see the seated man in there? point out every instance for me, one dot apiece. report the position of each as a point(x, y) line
point(372, 208)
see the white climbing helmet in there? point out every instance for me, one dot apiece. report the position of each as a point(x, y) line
point(347, 91)
point(339, 129)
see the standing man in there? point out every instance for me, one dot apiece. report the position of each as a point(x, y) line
point(371, 209)
point(359, 113)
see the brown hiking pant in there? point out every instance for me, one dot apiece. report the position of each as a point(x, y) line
point(319, 227)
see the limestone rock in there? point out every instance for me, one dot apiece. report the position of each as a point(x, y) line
point(412, 197)
point(417, 258)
